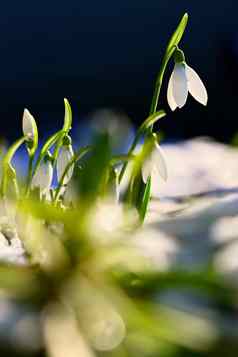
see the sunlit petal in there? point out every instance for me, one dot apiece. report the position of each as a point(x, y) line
point(170, 97)
point(43, 176)
point(147, 168)
point(159, 162)
point(195, 86)
point(180, 85)
point(65, 155)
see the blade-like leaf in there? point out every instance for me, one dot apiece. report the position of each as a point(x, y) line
point(66, 128)
point(145, 200)
point(93, 173)
point(178, 33)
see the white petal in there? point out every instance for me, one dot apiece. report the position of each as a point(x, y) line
point(170, 97)
point(43, 176)
point(155, 183)
point(180, 85)
point(195, 86)
point(159, 162)
point(28, 124)
point(147, 168)
point(65, 155)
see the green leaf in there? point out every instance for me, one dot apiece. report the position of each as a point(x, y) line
point(145, 200)
point(178, 33)
point(121, 158)
point(151, 120)
point(150, 283)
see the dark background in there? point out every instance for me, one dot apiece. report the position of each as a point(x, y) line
point(107, 53)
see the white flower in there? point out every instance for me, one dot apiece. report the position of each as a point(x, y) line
point(28, 124)
point(43, 176)
point(65, 155)
point(155, 166)
point(183, 80)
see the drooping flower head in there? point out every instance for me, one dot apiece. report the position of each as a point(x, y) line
point(184, 80)
point(65, 156)
point(155, 167)
point(44, 175)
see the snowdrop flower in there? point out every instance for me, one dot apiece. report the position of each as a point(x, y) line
point(155, 166)
point(28, 124)
point(65, 155)
point(183, 80)
point(43, 176)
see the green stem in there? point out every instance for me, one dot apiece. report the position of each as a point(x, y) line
point(29, 173)
point(153, 107)
point(159, 80)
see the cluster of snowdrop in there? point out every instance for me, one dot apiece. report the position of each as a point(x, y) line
point(148, 165)
point(94, 265)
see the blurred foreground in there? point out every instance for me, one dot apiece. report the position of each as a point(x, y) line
point(89, 281)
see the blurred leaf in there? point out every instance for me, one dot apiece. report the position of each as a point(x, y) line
point(95, 168)
point(149, 283)
point(21, 282)
point(121, 158)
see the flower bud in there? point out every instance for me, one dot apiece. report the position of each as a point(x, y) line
point(28, 124)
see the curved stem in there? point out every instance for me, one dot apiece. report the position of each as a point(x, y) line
point(29, 173)
point(159, 80)
point(153, 107)
point(7, 164)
